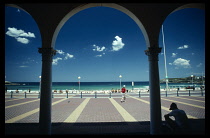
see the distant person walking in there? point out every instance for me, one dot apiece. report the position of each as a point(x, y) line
point(123, 90)
point(181, 119)
point(17, 91)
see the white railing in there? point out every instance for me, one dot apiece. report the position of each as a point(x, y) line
point(107, 94)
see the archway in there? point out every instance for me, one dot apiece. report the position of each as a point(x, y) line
point(184, 31)
point(115, 6)
point(22, 37)
point(183, 28)
point(152, 52)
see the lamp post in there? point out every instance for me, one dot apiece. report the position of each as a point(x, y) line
point(79, 82)
point(192, 79)
point(120, 80)
point(132, 85)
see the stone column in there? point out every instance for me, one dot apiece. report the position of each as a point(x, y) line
point(154, 86)
point(46, 92)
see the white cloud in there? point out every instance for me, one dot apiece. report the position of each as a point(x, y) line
point(19, 35)
point(117, 44)
point(180, 62)
point(65, 56)
point(183, 47)
point(29, 34)
point(14, 32)
point(60, 52)
point(55, 61)
point(199, 65)
point(22, 40)
point(174, 55)
point(99, 49)
point(98, 55)
point(68, 56)
point(23, 66)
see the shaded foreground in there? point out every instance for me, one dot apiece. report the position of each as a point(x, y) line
point(98, 128)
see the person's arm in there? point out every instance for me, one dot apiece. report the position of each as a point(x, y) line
point(169, 114)
point(166, 115)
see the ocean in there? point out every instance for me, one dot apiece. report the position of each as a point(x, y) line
point(89, 86)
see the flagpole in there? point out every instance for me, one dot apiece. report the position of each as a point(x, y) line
point(166, 73)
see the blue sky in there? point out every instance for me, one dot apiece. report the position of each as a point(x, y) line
point(100, 43)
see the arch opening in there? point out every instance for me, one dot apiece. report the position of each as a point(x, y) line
point(22, 38)
point(184, 35)
point(100, 45)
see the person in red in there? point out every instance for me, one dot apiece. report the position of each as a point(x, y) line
point(123, 90)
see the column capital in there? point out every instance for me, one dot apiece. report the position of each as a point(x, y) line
point(152, 53)
point(153, 50)
point(47, 51)
point(47, 54)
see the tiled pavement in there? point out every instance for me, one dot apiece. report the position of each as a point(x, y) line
point(98, 115)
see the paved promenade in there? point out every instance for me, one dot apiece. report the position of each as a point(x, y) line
point(98, 115)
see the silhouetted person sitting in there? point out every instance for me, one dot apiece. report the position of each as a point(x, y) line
point(181, 119)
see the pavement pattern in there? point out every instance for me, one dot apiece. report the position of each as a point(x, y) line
point(97, 115)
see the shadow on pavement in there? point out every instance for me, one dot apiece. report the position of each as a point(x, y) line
point(97, 128)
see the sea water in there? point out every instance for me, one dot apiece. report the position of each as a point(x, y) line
point(89, 86)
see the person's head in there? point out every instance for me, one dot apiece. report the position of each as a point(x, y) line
point(123, 86)
point(173, 106)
